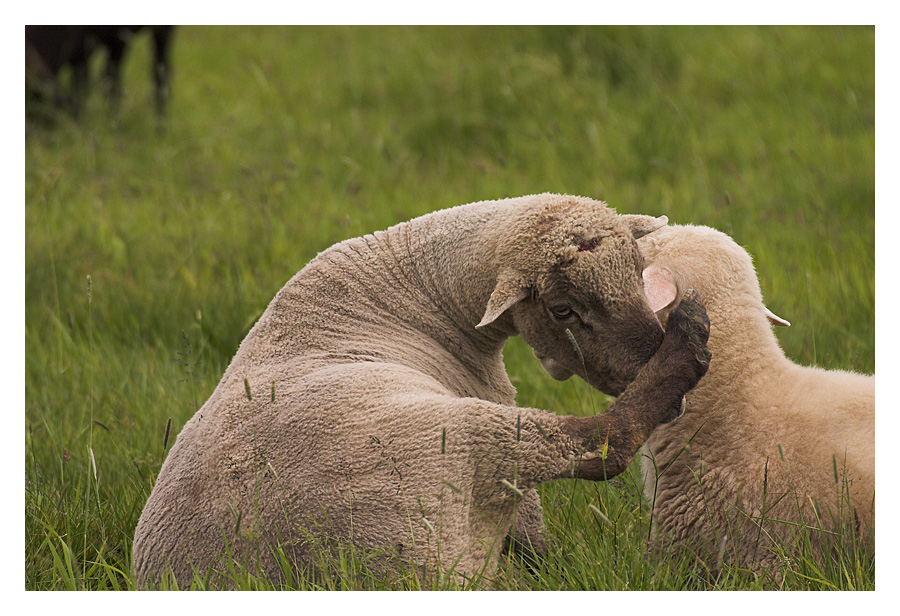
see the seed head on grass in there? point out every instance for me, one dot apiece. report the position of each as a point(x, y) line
point(451, 486)
point(580, 356)
point(272, 468)
point(428, 525)
point(596, 510)
point(512, 487)
point(720, 560)
point(575, 346)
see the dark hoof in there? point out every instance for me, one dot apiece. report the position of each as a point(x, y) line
point(690, 318)
point(692, 311)
point(674, 413)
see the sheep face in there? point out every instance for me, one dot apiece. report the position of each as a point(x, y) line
point(576, 294)
point(589, 316)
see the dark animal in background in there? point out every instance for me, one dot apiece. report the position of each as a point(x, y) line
point(49, 49)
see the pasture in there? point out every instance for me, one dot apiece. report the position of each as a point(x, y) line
point(150, 253)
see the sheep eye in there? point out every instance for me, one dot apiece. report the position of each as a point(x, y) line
point(562, 312)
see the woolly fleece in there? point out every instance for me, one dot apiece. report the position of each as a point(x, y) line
point(759, 432)
point(370, 402)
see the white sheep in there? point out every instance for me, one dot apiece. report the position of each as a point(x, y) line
point(370, 402)
point(764, 446)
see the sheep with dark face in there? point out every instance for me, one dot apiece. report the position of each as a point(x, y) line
point(48, 49)
point(765, 447)
point(370, 401)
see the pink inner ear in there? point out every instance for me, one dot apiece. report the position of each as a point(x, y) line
point(660, 291)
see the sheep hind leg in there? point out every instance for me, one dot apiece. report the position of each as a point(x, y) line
point(528, 538)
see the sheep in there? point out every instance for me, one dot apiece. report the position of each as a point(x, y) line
point(370, 403)
point(765, 446)
point(50, 48)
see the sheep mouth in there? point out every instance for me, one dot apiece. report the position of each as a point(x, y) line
point(598, 380)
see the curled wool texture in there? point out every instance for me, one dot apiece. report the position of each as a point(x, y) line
point(393, 422)
point(761, 437)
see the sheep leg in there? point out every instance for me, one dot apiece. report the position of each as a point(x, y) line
point(115, 48)
point(528, 539)
point(161, 37)
point(611, 439)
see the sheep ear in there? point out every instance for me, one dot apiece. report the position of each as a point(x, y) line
point(642, 225)
point(659, 288)
point(774, 319)
point(506, 294)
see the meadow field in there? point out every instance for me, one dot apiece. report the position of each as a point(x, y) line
point(150, 252)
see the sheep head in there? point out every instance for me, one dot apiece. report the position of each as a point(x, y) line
point(570, 278)
point(707, 260)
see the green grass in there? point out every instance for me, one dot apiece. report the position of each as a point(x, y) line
point(283, 141)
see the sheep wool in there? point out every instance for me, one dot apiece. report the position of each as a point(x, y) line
point(370, 404)
point(765, 447)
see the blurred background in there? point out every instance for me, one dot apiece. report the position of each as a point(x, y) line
point(157, 233)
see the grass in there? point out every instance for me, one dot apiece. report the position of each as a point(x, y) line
point(282, 141)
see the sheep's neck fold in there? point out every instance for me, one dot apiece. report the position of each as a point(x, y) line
point(744, 351)
point(446, 261)
point(411, 294)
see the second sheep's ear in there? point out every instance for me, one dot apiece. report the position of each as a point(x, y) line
point(659, 288)
point(774, 319)
point(641, 225)
point(507, 293)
